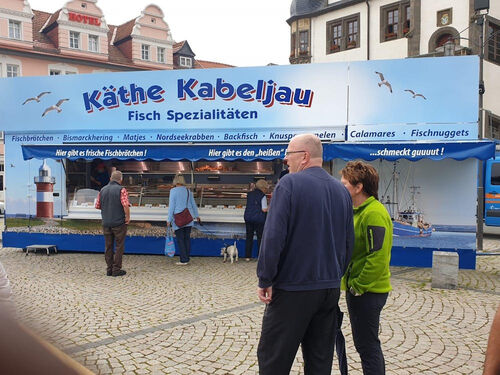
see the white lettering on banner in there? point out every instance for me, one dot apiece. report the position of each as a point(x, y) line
point(214, 114)
point(409, 152)
point(269, 152)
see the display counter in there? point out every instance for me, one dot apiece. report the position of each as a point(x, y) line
point(219, 188)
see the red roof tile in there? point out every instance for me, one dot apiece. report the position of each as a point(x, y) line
point(202, 64)
point(177, 46)
point(124, 31)
point(42, 43)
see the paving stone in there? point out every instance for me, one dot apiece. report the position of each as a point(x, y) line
point(160, 319)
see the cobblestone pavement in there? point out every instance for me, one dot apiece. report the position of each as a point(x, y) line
point(205, 318)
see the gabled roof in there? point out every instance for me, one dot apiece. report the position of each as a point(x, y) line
point(51, 20)
point(41, 40)
point(123, 31)
point(183, 48)
point(114, 53)
point(44, 45)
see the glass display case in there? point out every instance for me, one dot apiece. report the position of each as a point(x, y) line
point(219, 188)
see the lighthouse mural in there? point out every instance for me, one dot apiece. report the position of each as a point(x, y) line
point(44, 191)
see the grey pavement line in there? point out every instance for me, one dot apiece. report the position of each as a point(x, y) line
point(459, 287)
point(400, 272)
point(165, 326)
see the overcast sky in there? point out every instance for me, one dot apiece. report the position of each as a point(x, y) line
point(236, 32)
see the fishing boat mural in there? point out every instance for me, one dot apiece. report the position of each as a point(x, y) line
point(410, 221)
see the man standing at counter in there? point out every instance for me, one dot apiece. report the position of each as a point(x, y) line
point(306, 247)
point(113, 202)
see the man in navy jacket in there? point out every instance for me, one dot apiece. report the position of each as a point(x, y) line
point(306, 247)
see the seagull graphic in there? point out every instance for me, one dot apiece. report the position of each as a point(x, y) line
point(415, 94)
point(383, 81)
point(36, 98)
point(56, 107)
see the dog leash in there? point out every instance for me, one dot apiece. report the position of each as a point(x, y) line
point(212, 234)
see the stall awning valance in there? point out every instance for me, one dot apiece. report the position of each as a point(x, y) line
point(348, 151)
point(155, 152)
point(412, 151)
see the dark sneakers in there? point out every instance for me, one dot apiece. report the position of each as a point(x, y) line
point(109, 273)
point(119, 273)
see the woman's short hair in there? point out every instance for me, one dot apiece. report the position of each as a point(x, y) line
point(261, 185)
point(179, 180)
point(360, 172)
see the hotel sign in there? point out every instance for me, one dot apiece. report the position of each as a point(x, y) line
point(75, 17)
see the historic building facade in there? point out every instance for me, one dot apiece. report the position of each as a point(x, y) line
point(77, 39)
point(347, 30)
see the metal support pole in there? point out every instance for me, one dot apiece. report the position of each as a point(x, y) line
point(480, 189)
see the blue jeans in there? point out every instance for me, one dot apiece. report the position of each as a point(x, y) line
point(183, 236)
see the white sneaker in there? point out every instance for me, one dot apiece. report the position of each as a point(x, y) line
point(181, 264)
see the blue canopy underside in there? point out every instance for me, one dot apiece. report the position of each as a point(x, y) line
point(347, 151)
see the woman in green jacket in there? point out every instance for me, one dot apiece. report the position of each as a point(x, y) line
point(367, 280)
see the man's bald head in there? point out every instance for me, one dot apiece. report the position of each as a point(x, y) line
point(309, 143)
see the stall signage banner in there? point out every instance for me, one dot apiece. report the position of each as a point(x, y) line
point(189, 100)
point(416, 132)
point(155, 152)
point(334, 134)
point(402, 93)
point(412, 151)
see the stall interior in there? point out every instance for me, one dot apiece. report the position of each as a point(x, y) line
point(217, 184)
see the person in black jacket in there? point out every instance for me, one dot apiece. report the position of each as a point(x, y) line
point(255, 216)
point(306, 246)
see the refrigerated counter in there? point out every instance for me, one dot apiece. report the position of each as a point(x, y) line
point(219, 188)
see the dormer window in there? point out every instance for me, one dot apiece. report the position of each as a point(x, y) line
point(145, 52)
point(14, 29)
point(74, 40)
point(186, 62)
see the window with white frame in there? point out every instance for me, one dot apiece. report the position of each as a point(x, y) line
point(145, 52)
point(74, 39)
point(61, 69)
point(93, 43)
point(185, 61)
point(161, 54)
point(12, 70)
point(14, 29)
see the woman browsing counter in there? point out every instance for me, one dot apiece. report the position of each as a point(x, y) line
point(179, 199)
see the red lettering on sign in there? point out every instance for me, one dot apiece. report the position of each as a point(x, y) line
point(84, 19)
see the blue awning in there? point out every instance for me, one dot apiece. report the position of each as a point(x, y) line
point(155, 152)
point(412, 151)
point(348, 151)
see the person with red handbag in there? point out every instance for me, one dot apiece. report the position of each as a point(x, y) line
point(182, 212)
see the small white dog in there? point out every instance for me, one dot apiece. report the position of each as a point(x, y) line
point(230, 251)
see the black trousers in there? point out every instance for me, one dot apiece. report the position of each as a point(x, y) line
point(364, 313)
point(293, 318)
point(251, 229)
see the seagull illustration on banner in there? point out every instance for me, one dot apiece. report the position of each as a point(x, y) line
point(383, 81)
point(56, 107)
point(36, 98)
point(415, 94)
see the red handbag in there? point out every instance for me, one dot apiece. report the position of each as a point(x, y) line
point(184, 217)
